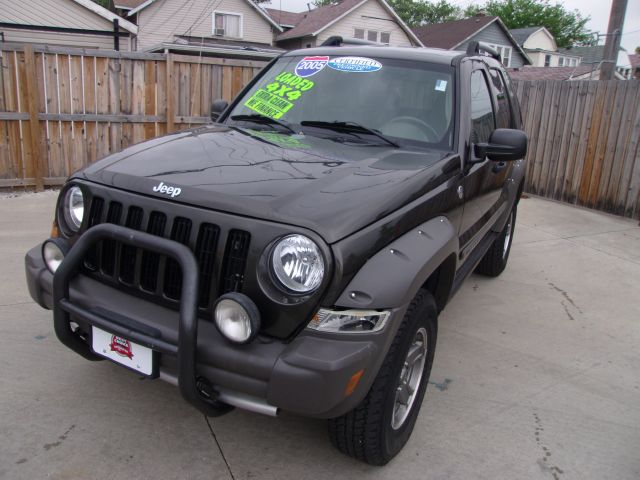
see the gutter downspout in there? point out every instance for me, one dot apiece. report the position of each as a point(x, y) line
point(116, 37)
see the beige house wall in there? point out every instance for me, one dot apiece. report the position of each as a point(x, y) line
point(64, 39)
point(52, 13)
point(296, 43)
point(537, 58)
point(163, 20)
point(540, 40)
point(56, 13)
point(370, 16)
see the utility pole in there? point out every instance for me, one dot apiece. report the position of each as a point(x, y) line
point(612, 42)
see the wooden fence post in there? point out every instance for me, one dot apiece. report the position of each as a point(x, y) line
point(34, 122)
point(170, 97)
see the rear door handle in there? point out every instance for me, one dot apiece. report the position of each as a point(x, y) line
point(498, 167)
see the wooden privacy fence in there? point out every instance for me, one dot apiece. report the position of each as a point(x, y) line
point(583, 142)
point(62, 109)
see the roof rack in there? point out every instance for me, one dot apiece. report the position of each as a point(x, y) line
point(337, 41)
point(476, 48)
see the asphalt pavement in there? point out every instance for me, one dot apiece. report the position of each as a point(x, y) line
point(536, 376)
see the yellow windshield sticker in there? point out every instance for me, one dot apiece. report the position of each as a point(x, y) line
point(268, 104)
point(285, 141)
point(276, 98)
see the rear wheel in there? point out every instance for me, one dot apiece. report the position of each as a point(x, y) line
point(495, 260)
point(377, 429)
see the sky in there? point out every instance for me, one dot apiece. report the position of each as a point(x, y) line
point(598, 10)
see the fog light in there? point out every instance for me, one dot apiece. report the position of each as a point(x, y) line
point(237, 317)
point(53, 252)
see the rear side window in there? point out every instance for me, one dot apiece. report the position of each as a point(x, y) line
point(515, 106)
point(482, 119)
point(503, 115)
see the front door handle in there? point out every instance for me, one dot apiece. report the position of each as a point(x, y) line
point(498, 167)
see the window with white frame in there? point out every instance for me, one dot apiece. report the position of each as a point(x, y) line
point(505, 53)
point(227, 24)
point(567, 62)
point(372, 35)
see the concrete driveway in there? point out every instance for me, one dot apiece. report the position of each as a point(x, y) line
point(537, 375)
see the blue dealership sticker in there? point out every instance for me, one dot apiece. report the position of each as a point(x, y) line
point(310, 66)
point(355, 64)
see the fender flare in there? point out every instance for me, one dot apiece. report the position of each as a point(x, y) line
point(393, 276)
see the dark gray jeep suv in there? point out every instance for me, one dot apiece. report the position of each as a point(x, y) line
point(294, 254)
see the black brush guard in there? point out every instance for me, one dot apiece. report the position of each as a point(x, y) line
point(188, 321)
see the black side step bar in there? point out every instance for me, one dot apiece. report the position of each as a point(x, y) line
point(472, 261)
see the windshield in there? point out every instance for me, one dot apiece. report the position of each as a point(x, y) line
point(377, 100)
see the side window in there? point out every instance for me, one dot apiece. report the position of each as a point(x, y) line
point(515, 105)
point(482, 120)
point(503, 115)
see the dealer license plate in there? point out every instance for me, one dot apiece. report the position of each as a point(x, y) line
point(123, 351)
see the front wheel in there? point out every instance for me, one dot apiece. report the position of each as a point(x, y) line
point(377, 429)
point(495, 260)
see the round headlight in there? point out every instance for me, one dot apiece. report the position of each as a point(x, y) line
point(297, 263)
point(53, 252)
point(237, 317)
point(73, 208)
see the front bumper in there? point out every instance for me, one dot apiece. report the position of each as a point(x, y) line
point(307, 376)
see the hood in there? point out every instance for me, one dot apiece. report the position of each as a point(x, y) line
point(330, 187)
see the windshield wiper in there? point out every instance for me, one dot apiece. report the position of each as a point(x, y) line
point(349, 127)
point(256, 118)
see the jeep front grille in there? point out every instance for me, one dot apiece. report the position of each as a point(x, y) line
point(153, 275)
point(206, 257)
point(235, 259)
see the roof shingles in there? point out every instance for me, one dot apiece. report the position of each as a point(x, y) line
point(285, 18)
point(593, 54)
point(317, 19)
point(522, 34)
point(550, 73)
point(450, 34)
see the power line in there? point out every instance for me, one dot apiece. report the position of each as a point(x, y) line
point(199, 17)
point(147, 21)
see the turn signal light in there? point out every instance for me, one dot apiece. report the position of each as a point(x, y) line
point(55, 231)
point(353, 383)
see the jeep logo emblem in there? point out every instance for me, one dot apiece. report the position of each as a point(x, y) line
point(167, 190)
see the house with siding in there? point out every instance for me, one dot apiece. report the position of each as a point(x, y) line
point(372, 20)
point(634, 59)
point(594, 55)
point(542, 49)
point(456, 35)
point(70, 23)
point(237, 28)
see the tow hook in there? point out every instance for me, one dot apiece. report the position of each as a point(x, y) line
point(206, 389)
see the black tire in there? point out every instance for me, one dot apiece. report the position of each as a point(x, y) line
point(495, 260)
point(366, 432)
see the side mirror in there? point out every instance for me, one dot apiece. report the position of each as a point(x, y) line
point(505, 144)
point(217, 107)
